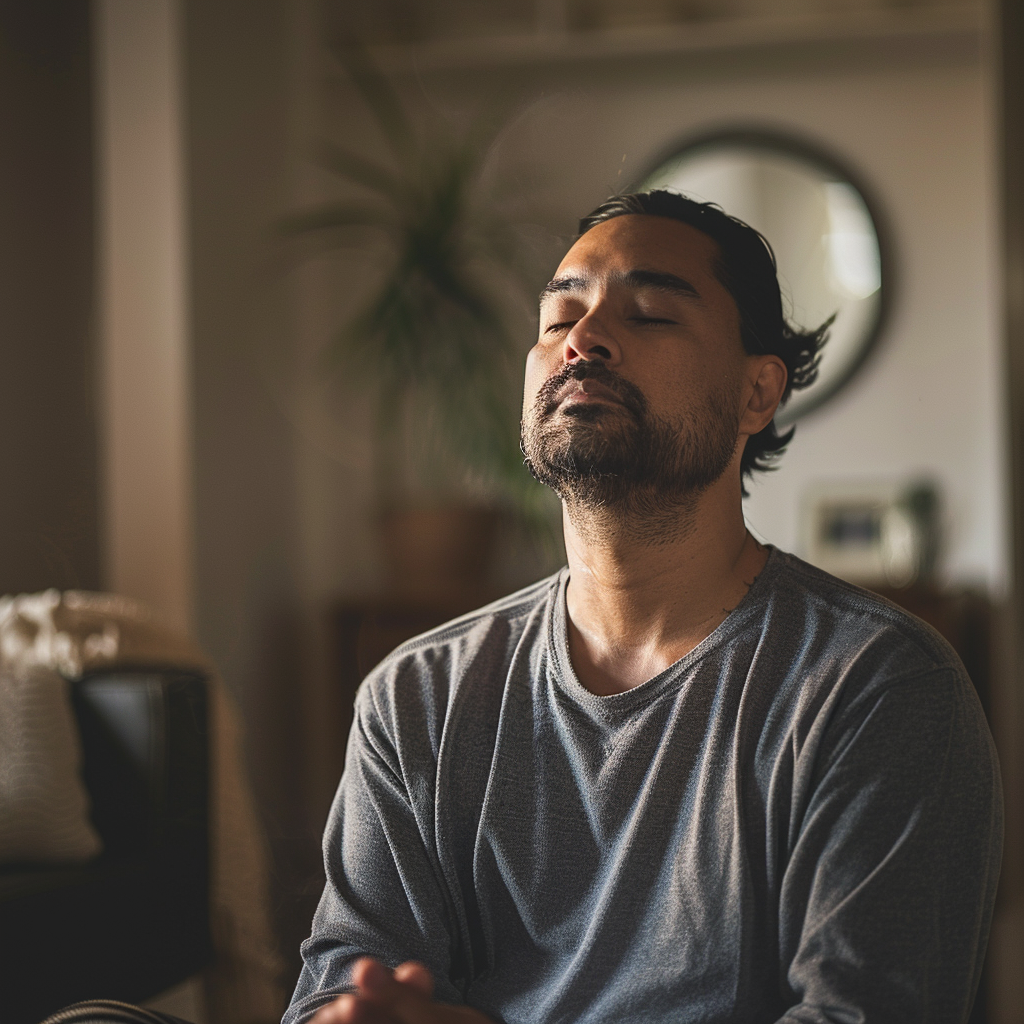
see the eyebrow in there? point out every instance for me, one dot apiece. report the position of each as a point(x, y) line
point(657, 279)
point(563, 284)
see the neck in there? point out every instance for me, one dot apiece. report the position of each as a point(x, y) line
point(646, 589)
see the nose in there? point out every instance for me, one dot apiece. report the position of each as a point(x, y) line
point(589, 339)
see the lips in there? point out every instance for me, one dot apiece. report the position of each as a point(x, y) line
point(588, 384)
point(586, 392)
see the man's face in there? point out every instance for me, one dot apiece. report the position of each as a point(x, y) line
point(632, 390)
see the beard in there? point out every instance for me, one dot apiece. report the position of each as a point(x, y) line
point(622, 463)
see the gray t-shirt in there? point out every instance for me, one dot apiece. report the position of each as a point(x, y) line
point(799, 820)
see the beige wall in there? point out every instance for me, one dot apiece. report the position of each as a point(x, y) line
point(142, 306)
point(239, 64)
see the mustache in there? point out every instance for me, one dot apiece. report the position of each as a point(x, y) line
point(591, 369)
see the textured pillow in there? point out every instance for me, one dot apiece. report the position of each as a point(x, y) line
point(44, 807)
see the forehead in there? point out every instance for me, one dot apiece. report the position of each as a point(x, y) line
point(638, 240)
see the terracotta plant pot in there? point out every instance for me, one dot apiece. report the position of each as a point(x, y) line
point(439, 549)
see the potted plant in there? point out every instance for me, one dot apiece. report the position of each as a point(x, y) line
point(432, 340)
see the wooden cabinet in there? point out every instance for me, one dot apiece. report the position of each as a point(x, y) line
point(964, 618)
point(364, 632)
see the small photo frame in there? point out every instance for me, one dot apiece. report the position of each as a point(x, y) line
point(872, 533)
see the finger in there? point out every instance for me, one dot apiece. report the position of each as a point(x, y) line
point(350, 1009)
point(416, 976)
point(371, 976)
point(396, 1000)
point(378, 985)
point(342, 1011)
point(328, 1014)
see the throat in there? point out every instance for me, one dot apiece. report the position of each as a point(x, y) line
point(633, 610)
point(615, 671)
point(640, 517)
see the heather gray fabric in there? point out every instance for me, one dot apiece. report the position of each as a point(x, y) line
point(800, 820)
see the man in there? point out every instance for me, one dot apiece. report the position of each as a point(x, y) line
point(688, 778)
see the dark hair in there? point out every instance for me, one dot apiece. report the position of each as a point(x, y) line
point(746, 267)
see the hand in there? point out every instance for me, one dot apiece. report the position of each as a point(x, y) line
point(401, 996)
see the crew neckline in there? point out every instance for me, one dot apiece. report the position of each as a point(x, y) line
point(614, 704)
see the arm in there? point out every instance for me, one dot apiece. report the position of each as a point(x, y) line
point(384, 894)
point(894, 855)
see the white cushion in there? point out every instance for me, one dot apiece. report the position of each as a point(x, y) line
point(44, 806)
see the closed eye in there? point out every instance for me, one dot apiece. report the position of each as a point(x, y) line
point(565, 325)
point(644, 321)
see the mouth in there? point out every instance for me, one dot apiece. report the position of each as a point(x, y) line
point(584, 393)
point(585, 388)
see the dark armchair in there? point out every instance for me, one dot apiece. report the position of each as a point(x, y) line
point(134, 921)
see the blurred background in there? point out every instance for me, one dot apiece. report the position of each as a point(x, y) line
point(205, 400)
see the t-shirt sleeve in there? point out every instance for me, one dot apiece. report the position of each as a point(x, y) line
point(383, 895)
point(894, 856)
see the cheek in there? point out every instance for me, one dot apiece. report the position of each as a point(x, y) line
point(680, 393)
point(537, 371)
point(667, 388)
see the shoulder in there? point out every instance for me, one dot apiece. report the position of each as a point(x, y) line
point(850, 664)
point(817, 616)
point(416, 684)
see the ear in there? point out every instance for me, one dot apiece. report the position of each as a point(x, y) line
point(765, 383)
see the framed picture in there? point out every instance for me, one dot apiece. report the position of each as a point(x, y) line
point(873, 533)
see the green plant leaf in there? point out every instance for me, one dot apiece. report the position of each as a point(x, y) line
point(380, 97)
point(359, 170)
point(432, 338)
point(333, 216)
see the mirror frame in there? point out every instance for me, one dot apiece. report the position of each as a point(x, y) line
point(787, 143)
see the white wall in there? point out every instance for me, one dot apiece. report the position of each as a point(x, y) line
point(912, 116)
point(915, 123)
point(930, 401)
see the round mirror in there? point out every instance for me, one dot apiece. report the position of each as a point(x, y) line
point(820, 226)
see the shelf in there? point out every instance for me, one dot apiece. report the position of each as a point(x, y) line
point(961, 26)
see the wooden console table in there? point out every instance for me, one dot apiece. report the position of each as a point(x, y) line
point(365, 631)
